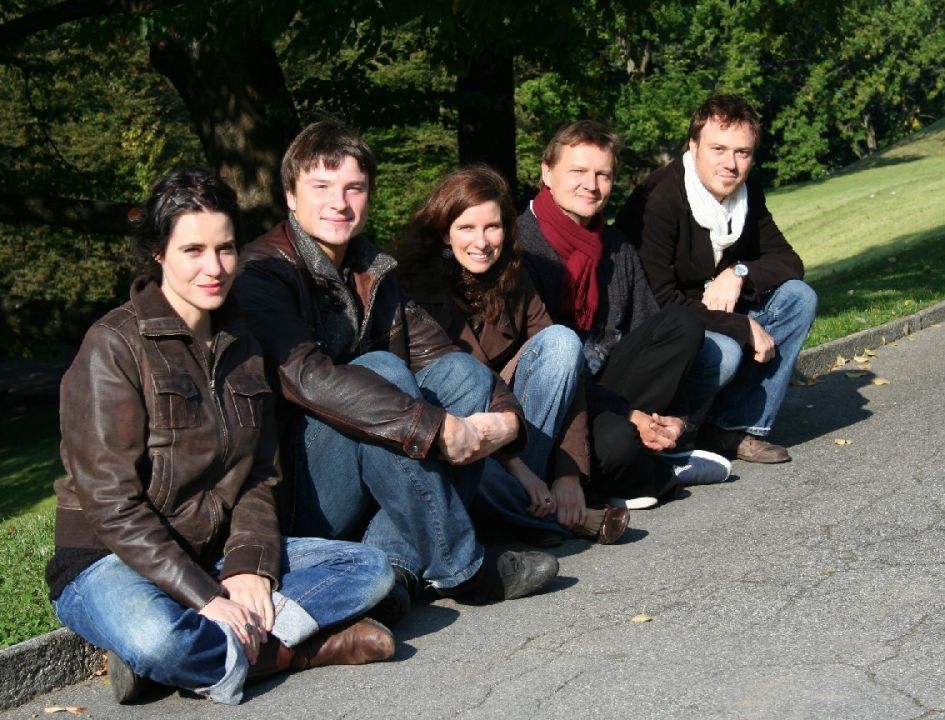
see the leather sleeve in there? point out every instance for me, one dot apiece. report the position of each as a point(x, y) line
point(254, 544)
point(350, 398)
point(104, 420)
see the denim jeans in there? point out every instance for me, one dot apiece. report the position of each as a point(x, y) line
point(545, 380)
point(747, 394)
point(413, 509)
point(323, 583)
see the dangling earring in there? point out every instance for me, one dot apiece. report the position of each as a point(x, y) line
point(447, 252)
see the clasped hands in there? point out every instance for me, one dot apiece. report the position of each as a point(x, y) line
point(248, 610)
point(463, 440)
point(657, 432)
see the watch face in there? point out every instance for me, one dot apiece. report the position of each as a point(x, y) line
point(741, 270)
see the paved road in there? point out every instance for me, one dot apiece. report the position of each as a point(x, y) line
point(811, 590)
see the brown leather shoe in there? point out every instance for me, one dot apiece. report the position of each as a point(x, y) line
point(274, 658)
point(358, 643)
point(605, 525)
point(741, 445)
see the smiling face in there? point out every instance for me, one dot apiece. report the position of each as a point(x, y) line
point(580, 181)
point(198, 264)
point(331, 205)
point(723, 156)
point(476, 237)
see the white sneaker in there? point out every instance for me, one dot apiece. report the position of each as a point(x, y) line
point(637, 503)
point(698, 467)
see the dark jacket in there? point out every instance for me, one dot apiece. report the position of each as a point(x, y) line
point(170, 450)
point(497, 345)
point(677, 253)
point(312, 321)
point(625, 298)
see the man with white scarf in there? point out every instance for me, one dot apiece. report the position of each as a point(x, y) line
point(707, 240)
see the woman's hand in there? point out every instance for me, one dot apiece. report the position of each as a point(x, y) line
point(239, 618)
point(253, 592)
point(569, 496)
point(542, 499)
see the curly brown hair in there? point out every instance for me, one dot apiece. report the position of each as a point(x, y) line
point(420, 250)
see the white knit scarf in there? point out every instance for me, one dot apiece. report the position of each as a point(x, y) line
point(715, 216)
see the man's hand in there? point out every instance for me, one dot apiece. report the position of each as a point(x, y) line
point(239, 618)
point(572, 507)
point(723, 292)
point(761, 341)
point(541, 498)
point(658, 432)
point(459, 440)
point(495, 429)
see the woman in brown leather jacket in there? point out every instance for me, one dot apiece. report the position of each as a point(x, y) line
point(460, 261)
point(168, 547)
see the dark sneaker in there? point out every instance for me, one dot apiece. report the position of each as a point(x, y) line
point(698, 467)
point(507, 576)
point(736, 444)
point(395, 606)
point(126, 686)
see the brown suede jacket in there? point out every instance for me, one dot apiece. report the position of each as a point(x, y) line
point(497, 345)
point(677, 252)
point(170, 449)
point(312, 320)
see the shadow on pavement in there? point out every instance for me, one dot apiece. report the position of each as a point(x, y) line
point(813, 411)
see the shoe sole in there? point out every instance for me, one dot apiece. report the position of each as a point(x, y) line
point(637, 503)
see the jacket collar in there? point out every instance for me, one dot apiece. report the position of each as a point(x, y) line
point(156, 317)
point(361, 256)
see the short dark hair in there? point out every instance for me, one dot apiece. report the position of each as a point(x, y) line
point(176, 194)
point(727, 110)
point(328, 141)
point(584, 132)
point(419, 251)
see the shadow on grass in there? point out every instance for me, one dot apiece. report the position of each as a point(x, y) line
point(29, 457)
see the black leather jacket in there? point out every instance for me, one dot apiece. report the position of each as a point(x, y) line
point(170, 449)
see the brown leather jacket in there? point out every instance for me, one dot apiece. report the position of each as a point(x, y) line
point(170, 450)
point(497, 345)
point(312, 322)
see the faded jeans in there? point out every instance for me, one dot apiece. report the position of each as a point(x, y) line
point(323, 583)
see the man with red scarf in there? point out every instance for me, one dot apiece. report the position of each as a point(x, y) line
point(591, 280)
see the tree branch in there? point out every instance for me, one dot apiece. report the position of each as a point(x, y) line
point(95, 216)
point(65, 12)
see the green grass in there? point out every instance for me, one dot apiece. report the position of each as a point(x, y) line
point(872, 237)
point(29, 463)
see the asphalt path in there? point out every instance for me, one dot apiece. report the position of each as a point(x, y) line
point(807, 590)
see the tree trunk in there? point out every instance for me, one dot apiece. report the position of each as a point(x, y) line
point(237, 97)
point(486, 104)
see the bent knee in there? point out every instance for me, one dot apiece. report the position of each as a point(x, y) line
point(560, 346)
point(802, 298)
point(683, 322)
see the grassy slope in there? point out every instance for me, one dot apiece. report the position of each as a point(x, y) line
point(875, 207)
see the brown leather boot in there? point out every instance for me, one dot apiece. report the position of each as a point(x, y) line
point(357, 643)
point(605, 525)
point(274, 658)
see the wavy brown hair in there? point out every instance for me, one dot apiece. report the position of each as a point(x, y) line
point(420, 251)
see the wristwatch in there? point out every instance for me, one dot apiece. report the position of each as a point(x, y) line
point(740, 270)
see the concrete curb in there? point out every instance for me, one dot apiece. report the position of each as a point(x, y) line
point(62, 658)
point(45, 663)
point(818, 360)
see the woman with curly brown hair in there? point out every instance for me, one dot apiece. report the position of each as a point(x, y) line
point(460, 260)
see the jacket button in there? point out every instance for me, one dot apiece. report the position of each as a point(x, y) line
point(414, 448)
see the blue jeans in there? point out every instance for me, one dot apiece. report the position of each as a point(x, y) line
point(747, 394)
point(323, 583)
point(413, 509)
point(545, 380)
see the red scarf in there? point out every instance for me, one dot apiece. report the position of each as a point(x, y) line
point(580, 249)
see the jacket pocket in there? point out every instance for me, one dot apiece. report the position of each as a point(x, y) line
point(176, 400)
point(249, 394)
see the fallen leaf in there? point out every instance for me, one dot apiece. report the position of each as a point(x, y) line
point(840, 361)
point(854, 374)
point(869, 353)
point(842, 441)
point(58, 709)
point(880, 381)
point(641, 618)
point(861, 358)
point(798, 380)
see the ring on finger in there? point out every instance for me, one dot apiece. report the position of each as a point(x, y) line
point(250, 628)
